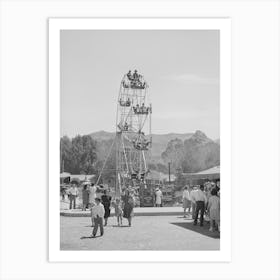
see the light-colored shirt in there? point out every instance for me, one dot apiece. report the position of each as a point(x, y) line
point(98, 210)
point(192, 195)
point(92, 194)
point(158, 197)
point(199, 195)
point(74, 191)
point(186, 194)
point(99, 194)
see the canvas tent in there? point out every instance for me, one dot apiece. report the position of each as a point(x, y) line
point(211, 174)
point(214, 171)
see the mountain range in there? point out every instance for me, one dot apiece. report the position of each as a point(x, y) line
point(190, 152)
point(159, 144)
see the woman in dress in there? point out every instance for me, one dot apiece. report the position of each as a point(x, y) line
point(158, 195)
point(186, 200)
point(128, 204)
point(214, 210)
point(106, 201)
point(85, 197)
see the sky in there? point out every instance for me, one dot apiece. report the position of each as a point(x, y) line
point(180, 66)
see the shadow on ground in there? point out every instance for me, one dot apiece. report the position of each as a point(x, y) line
point(202, 230)
point(90, 237)
point(185, 218)
point(122, 226)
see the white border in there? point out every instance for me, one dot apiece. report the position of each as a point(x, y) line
point(222, 24)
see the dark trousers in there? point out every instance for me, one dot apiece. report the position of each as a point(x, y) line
point(200, 206)
point(72, 201)
point(98, 222)
point(193, 210)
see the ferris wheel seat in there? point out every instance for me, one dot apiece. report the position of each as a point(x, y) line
point(141, 147)
point(141, 113)
point(125, 103)
point(124, 127)
point(141, 110)
point(137, 87)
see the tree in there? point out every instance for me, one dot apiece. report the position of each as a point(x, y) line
point(65, 154)
point(78, 155)
point(194, 154)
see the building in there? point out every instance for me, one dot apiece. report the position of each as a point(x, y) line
point(66, 177)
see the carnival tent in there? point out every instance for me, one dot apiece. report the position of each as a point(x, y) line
point(211, 171)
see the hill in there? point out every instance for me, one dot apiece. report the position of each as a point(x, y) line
point(189, 152)
point(160, 141)
point(102, 135)
point(194, 154)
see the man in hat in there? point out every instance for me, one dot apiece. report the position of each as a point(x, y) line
point(200, 204)
point(97, 213)
point(73, 192)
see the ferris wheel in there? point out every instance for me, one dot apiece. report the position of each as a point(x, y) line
point(133, 131)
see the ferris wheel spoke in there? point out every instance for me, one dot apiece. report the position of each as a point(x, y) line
point(125, 156)
point(143, 123)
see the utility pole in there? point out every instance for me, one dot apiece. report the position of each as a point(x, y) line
point(169, 163)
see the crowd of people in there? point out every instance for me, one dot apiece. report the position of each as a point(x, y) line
point(203, 201)
point(123, 207)
point(100, 203)
point(200, 202)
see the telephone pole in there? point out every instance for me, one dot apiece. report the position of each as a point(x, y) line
point(169, 164)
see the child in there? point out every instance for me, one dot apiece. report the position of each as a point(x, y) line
point(98, 212)
point(85, 195)
point(214, 209)
point(91, 215)
point(118, 210)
